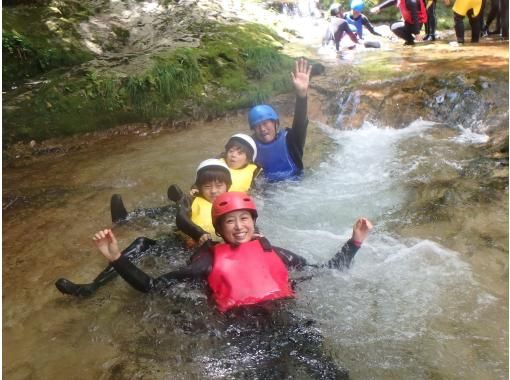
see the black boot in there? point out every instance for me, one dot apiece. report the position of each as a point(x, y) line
point(174, 193)
point(77, 290)
point(117, 209)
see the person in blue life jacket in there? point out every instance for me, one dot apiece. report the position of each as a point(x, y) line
point(280, 151)
point(244, 270)
point(357, 20)
point(414, 15)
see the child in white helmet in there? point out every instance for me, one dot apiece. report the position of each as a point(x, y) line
point(240, 155)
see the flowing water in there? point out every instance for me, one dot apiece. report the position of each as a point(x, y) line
point(427, 296)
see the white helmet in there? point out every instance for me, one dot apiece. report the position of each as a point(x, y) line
point(246, 141)
point(212, 162)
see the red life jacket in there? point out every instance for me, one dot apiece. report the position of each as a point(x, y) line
point(406, 14)
point(246, 275)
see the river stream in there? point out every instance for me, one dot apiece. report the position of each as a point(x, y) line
point(427, 296)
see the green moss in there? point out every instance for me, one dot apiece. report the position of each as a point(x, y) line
point(42, 38)
point(236, 66)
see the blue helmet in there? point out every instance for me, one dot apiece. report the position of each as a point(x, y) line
point(357, 5)
point(261, 113)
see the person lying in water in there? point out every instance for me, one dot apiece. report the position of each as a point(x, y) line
point(239, 156)
point(244, 270)
point(193, 220)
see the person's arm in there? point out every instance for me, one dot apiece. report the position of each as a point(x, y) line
point(297, 135)
point(343, 258)
point(185, 224)
point(290, 259)
point(385, 4)
point(367, 24)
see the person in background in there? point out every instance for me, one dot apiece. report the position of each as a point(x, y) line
point(414, 14)
point(473, 10)
point(358, 20)
point(337, 28)
point(430, 25)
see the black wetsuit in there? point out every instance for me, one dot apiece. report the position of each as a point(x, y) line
point(336, 29)
point(296, 136)
point(404, 29)
point(201, 265)
point(183, 219)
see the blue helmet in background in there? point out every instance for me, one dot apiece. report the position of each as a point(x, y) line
point(261, 113)
point(357, 5)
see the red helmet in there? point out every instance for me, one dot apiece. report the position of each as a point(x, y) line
point(232, 201)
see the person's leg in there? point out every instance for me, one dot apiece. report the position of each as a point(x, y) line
point(459, 27)
point(430, 25)
point(432, 20)
point(503, 12)
point(401, 30)
point(493, 13)
point(134, 251)
point(475, 25)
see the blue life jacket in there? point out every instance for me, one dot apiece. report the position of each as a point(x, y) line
point(275, 159)
point(356, 25)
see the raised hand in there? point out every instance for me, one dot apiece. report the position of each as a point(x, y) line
point(107, 244)
point(301, 77)
point(361, 229)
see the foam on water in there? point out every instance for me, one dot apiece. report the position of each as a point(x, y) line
point(400, 291)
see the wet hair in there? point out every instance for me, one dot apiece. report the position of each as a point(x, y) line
point(240, 144)
point(211, 174)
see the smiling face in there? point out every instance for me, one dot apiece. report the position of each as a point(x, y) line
point(266, 131)
point(237, 227)
point(210, 190)
point(236, 158)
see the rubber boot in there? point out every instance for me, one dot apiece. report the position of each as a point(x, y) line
point(174, 193)
point(117, 209)
point(133, 252)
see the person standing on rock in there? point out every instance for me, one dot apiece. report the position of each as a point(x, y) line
point(280, 151)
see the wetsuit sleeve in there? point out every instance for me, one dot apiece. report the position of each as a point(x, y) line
point(367, 24)
point(184, 223)
point(344, 257)
point(296, 137)
point(290, 259)
point(256, 178)
point(387, 3)
point(142, 282)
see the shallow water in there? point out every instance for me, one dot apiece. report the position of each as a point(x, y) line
point(427, 296)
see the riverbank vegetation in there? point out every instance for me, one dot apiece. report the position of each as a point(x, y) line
point(234, 66)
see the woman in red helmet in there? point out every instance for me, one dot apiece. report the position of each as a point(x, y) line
point(244, 270)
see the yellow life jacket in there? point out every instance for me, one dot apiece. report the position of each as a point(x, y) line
point(462, 7)
point(201, 215)
point(242, 178)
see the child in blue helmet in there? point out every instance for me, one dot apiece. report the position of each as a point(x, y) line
point(280, 151)
point(357, 20)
